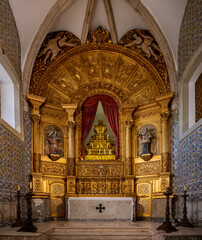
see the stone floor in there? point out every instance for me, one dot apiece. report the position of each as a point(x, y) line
point(99, 230)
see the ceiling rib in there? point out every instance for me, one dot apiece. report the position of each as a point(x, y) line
point(110, 18)
point(87, 20)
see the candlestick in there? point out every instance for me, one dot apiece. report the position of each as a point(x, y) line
point(167, 226)
point(18, 222)
point(184, 221)
point(28, 226)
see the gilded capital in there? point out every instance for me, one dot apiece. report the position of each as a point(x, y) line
point(36, 102)
point(70, 109)
point(71, 124)
point(36, 118)
point(129, 123)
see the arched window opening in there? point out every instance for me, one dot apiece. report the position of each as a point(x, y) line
point(190, 107)
point(10, 100)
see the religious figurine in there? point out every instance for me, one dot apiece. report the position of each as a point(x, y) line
point(146, 142)
point(53, 142)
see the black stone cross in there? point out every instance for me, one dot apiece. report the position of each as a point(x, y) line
point(100, 208)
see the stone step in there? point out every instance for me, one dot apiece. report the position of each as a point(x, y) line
point(100, 233)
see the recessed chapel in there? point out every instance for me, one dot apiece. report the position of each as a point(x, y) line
point(101, 109)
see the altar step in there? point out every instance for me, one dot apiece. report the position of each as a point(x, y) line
point(101, 234)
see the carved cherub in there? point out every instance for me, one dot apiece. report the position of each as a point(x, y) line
point(53, 47)
point(146, 43)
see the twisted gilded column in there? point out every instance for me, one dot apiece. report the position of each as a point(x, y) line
point(165, 156)
point(36, 103)
point(164, 101)
point(71, 156)
point(129, 125)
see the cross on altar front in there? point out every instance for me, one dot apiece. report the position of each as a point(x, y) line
point(100, 208)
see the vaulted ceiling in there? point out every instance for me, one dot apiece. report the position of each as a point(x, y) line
point(81, 16)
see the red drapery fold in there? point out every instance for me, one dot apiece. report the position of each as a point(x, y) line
point(111, 112)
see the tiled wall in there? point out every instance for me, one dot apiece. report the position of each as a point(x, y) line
point(186, 158)
point(9, 38)
point(190, 33)
point(15, 166)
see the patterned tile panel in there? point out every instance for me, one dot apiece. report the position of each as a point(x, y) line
point(190, 33)
point(9, 38)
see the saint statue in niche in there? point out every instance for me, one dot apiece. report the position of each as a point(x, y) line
point(53, 142)
point(146, 141)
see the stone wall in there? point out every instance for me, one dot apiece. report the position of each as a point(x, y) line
point(9, 38)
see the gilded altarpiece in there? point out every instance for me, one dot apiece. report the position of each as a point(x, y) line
point(56, 96)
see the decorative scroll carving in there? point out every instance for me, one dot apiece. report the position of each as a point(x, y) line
point(143, 189)
point(147, 168)
point(129, 166)
point(53, 168)
point(36, 162)
point(57, 189)
point(35, 118)
point(37, 186)
point(98, 36)
point(70, 166)
point(164, 117)
point(71, 124)
point(165, 158)
point(109, 170)
point(164, 184)
point(129, 123)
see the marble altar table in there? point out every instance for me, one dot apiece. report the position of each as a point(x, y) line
point(101, 208)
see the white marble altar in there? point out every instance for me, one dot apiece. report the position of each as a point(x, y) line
point(116, 208)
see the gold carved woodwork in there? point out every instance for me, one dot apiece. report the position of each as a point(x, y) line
point(144, 200)
point(110, 170)
point(165, 158)
point(99, 36)
point(71, 166)
point(128, 165)
point(148, 168)
point(36, 162)
point(57, 192)
point(53, 168)
point(92, 68)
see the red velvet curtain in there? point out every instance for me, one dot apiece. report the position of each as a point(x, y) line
point(111, 112)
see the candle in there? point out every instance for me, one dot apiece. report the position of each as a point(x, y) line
point(104, 151)
point(107, 145)
point(18, 187)
point(99, 151)
point(30, 185)
point(110, 151)
point(107, 136)
point(185, 188)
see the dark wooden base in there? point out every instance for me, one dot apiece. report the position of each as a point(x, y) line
point(28, 228)
point(184, 224)
point(167, 227)
point(19, 222)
